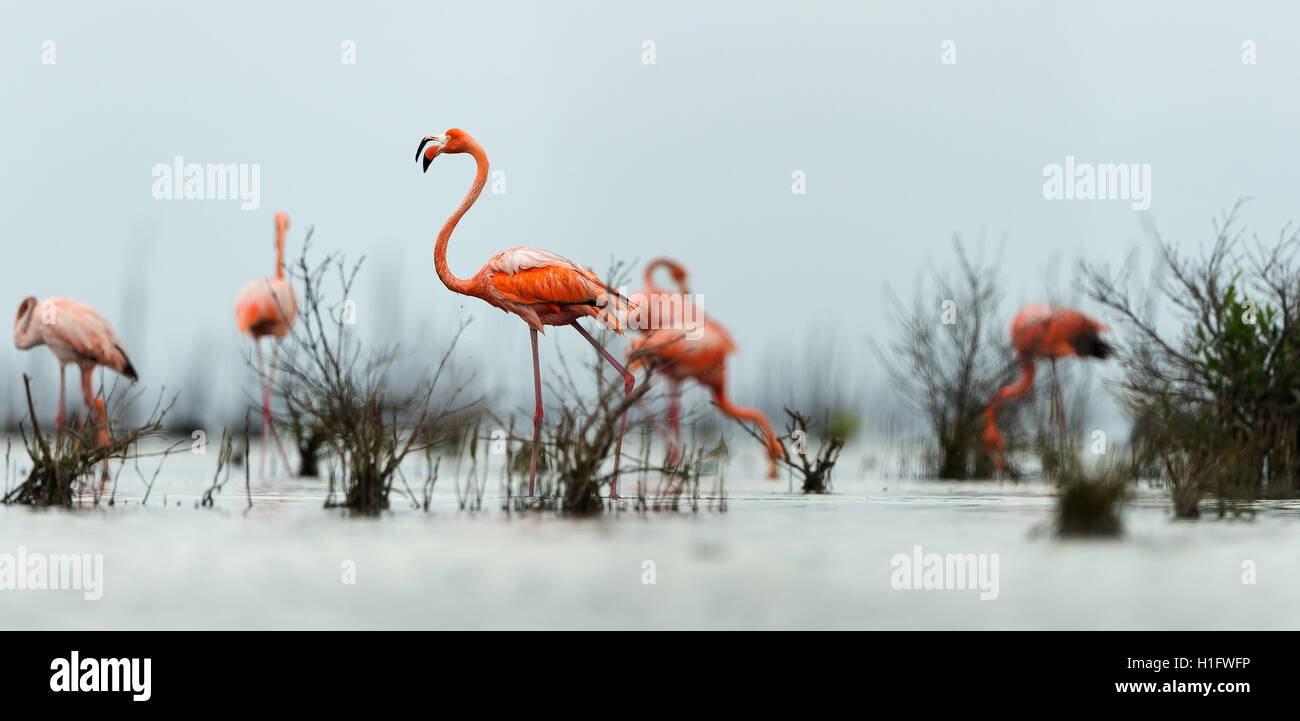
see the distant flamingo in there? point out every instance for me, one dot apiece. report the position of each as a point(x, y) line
point(267, 306)
point(539, 286)
point(75, 333)
point(702, 358)
point(1039, 331)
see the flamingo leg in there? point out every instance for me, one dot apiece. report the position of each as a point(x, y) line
point(1061, 419)
point(1051, 397)
point(629, 381)
point(99, 423)
point(1058, 414)
point(661, 428)
point(537, 415)
point(266, 405)
point(649, 416)
point(61, 418)
point(664, 431)
point(675, 420)
point(87, 389)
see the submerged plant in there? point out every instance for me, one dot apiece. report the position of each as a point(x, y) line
point(308, 437)
point(1225, 388)
point(62, 462)
point(949, 358)
point(680, 480)
point(219, 481)
point(814, 472)
point(579, 438)
point(1090, 508)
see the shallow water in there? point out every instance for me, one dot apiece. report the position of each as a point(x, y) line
point(772, 560)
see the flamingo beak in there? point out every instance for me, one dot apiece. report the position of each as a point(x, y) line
point(438, 141)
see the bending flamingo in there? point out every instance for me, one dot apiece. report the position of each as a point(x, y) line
point(1039, 331)
point(689, 346)
point(75, 333)
point(267, 306)
point(539, 286)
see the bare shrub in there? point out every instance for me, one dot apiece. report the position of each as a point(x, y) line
point(580, 440)
point(1091, 508)
point(814, 473)
point(1215, 407)
point(343, 392)
point(950, 356)
point(61, 462)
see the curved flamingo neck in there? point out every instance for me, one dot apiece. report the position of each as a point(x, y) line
point(1020, 387)
point(650, 275)
point(749, 414)
point(992, 436)
point(460, 285)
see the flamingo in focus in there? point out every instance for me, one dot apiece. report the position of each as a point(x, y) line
point(682, 357)
point(75, 333)
point(1040, 331)
point(267, 307)
point(539, 286)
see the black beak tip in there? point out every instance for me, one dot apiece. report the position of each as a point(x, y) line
point(427, 161)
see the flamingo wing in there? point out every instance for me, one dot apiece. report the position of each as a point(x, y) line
point(266, 306)
point(556, 285)
point(1041, 331)
point(686, 356)
point(531, 277)
point(78, 333)
point(719, 336)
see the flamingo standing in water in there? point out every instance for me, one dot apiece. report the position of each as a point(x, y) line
point(692, 347)
point(539, 286)
point(1039, 331)
point(75, 333)
point(267, 306)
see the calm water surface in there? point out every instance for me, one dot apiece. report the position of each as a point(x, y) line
point(772, 560)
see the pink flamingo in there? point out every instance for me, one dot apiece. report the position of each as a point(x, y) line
point(539, 286)
point(75, 333)
point(1040, 331)
point(267, 306)
point(697, 353)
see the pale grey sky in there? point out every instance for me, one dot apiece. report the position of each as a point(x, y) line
point(607, 156)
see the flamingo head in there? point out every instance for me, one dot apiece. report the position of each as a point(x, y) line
point(679, 277)
point(775, 451)
point(454, 140)
point(675, 269)
point(1087, 341)
point(24, 329)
